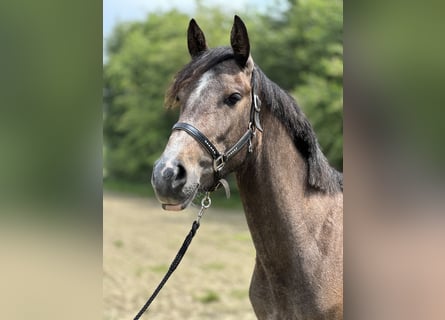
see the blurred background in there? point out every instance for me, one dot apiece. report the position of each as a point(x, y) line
point(50, 160)
point(298, 44)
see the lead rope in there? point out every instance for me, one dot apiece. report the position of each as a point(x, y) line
point(205, 204)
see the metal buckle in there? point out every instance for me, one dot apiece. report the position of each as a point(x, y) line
point(219, 163)
point(257, 103)
point(250, 145)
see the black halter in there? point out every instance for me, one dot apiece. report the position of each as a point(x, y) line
point(220, 159)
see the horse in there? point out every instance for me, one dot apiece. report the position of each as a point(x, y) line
point(292, 197)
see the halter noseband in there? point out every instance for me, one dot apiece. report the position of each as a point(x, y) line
point(220, 159)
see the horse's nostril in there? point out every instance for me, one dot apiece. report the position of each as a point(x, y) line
point(169, 177)
point(180, 177)
point(181, 172)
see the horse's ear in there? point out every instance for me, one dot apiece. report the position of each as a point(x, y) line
point(196, 40)
point(240, 42)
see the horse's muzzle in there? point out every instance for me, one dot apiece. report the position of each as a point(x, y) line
point(168, 181)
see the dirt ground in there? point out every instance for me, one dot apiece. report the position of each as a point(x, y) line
point(140, 241)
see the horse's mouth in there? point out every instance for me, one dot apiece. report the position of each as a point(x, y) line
point(182, 205)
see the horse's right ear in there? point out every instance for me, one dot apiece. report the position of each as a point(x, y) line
point(196, 40)
point(240, 42)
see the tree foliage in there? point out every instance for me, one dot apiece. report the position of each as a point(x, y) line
point(142, 57)
point(300, 49)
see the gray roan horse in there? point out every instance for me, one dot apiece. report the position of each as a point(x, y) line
point(234, 119)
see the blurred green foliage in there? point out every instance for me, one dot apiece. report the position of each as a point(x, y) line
point(299, 47)
point(50, 107)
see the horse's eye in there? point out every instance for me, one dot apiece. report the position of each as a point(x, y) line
point(232, 99)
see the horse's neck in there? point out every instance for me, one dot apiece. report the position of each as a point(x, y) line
point(284, 217)
point(297, 232)
point(272, 186)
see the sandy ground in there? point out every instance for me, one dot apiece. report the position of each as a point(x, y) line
point(140, 241)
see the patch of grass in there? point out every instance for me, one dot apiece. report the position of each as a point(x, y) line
point(140, 271)
point(213, 266)
point(239, 294)
point(118, 243)
point(208, 297)
point(243, 236)
point(161, 268)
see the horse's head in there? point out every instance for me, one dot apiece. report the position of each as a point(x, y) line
point(214, 93)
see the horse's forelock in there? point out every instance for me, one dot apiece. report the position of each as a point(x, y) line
point(193, 71)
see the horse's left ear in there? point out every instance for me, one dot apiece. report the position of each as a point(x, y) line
point(196, 40)
point(240, 42)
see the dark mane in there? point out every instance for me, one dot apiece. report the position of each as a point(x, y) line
point(321, 175)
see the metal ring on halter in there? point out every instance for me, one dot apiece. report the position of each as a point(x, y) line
point(205, 204)
point(206, 201)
